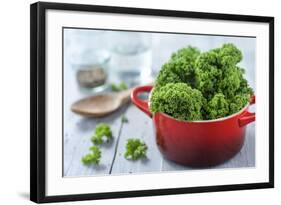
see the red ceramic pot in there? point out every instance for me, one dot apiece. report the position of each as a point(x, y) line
point(197, 143)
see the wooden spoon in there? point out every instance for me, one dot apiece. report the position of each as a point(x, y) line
point(101, 105)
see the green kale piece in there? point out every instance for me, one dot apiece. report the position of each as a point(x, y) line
point(119, 87)
point(93, 157)
point(217, 71)
point(244, 88)
point(177, 100)
point(102, 130)
point(180, 68)
point(229, 55)
point(217, 107)
point(231, 81)
point(208, 74)
point(135, 149)
point(238, 102)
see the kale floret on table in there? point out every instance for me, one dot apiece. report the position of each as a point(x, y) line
point(93, 158)
point(135, 149)
point(102, 131)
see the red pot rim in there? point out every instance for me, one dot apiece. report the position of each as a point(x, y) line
point(207, 121)
point(244, 116)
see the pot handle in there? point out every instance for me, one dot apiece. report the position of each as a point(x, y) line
point(248, 117)
point(141, 104)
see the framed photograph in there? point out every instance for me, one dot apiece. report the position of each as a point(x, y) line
point(129, 102)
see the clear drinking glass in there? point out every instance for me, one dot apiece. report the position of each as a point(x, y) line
point(89, 56)
point(130, 57)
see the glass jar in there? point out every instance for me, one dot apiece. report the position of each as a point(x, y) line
point(89, 56)
point(130, 56)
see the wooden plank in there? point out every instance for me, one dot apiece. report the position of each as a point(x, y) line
point(139, 126)
point(80, 141)
point(78, 131)
point(71, 138)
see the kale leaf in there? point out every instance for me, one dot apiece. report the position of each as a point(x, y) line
point(135, 149)
point(93, 157)
point(102, 130)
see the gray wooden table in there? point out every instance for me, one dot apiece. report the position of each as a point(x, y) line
point(78, 132)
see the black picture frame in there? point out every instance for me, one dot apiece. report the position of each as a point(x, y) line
point(38, 100)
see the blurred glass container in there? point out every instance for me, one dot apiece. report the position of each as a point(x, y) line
point(131, 56)
point(89, 57)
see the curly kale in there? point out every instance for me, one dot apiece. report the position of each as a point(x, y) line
point(217, 107)
point(238, 102)
point(178, 100)
point(229, 55)
point(208, 74)
point(102, 130)
point(135, 149)
point(214, 75)
point(180, 68)
point(217, 71)
point(93, 157)
point(119, 87)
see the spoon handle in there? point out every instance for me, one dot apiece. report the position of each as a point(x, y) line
point(124, 96)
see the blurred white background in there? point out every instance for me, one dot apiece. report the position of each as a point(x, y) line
point(143, 53)
point(165, 44)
